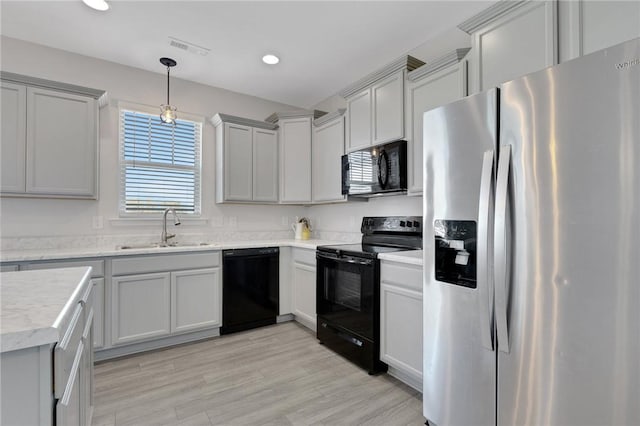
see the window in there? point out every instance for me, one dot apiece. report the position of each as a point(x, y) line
point(160, 164)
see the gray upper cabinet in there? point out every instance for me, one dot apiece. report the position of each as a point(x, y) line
point(588, 26)
point(265, 165)
point(14, 137)
point(442, 81)
point(49, 138)
point(388, 104)
point(510, 39)
point(295, 159)
point(328, 148)
point(359, 120)
point(375, 105)
point(246, 160)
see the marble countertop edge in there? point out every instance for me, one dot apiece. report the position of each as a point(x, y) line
point(412, 257)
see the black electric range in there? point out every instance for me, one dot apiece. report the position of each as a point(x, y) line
point(348, 287)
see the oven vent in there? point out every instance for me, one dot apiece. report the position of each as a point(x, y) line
point(188, 47)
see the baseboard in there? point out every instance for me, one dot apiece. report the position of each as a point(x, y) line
point(284, 318)
point(120, 351)
point(405, 378)
point(309, 324)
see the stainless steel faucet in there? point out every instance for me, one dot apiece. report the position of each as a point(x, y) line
point(176, 221)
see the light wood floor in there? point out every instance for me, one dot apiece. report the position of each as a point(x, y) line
point(277, 375)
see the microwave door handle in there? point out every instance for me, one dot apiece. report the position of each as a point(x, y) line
point(383, 161)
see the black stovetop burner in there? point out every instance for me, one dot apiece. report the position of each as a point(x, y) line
point(382, 235)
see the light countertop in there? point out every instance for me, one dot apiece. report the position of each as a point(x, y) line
point(413, 257)
point(37, 305)
point(71, 253)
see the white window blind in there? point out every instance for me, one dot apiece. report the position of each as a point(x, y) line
point(160, 164)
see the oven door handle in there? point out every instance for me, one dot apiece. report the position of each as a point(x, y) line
point(356, 261)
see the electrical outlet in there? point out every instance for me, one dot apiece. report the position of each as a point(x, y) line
point(98, 222)
point(284, 220)
point(233, 221)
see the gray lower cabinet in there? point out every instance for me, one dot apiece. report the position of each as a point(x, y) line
point(195, 299)
point(52, 384)
point(401, 321)
point(163, 295)
point(98, 294)
point(303, 279)
point(140, 307)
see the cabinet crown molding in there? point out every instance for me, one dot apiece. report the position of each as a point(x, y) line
point(328, 117)
point(438, 64)
point(220, 118)
point(276, 116)
point(490, 14)
point(99, 95)
point(405, 62)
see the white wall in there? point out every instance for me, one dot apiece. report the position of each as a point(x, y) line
point(342, 221)
point(50, 217)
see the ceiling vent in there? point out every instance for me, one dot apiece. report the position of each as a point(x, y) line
point(189, 47)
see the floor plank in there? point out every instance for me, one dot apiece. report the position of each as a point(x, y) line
point(276, 375)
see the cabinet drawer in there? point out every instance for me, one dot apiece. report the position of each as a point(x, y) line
point(304, 256)
point(166, 262)
point(97, 266)
point(64, 353)
point(404, 275)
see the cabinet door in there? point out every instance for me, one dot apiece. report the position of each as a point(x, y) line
point(304, 294)
point(68, 409)
point(62, 142)
point(401, 330)
point(328, 148)
point(295, 156)
point(265, 165)
point(423, 95)
point(140, 307)
point(86, 371)
point(196, 300)
point(12, 153)
point(586, 26)
point(388, 109)
point(518, 43)
point(238, 162)
point(98, 312)
point(359, 120)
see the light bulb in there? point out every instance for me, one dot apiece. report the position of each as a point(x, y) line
point(100, 5)
point(168, 114)
point(270, 59)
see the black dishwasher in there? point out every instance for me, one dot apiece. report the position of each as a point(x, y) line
point(250, 281)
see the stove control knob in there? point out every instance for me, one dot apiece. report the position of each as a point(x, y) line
point(416, 224)
point(402, 223)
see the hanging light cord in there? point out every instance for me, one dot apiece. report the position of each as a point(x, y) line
point(168, 68)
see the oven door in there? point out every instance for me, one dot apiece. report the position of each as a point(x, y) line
point(345, 292)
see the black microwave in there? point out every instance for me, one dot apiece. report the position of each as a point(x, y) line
point(374, 171)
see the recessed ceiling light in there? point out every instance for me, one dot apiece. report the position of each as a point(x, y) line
point(270, 59)
point(100, 5)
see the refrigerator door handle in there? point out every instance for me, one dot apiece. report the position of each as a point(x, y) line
point(485, 266)
point(500, 255)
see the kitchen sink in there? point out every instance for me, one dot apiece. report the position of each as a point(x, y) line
point(160, 245)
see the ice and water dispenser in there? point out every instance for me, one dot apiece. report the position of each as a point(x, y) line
point(455, 251)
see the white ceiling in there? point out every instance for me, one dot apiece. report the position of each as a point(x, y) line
point(324, 45)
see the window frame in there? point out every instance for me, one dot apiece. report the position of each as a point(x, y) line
point(122, 163)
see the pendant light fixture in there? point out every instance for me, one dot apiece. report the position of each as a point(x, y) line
point(167, 112)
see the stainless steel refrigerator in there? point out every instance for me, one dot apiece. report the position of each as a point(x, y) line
point(532, 249)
